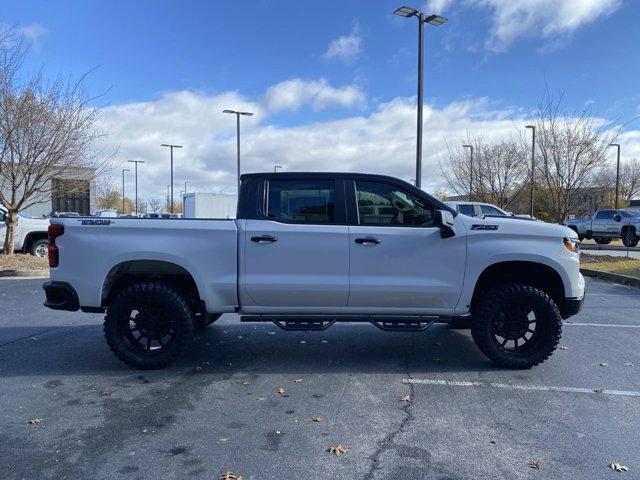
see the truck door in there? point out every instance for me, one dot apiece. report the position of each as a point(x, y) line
point(603, 223)
point(398, 261)
point(296, 256)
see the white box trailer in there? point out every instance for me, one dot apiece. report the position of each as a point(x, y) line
point(209, 205)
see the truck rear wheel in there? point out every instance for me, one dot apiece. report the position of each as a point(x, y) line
point(516, 326)
point(629, 238)
point(149, 325)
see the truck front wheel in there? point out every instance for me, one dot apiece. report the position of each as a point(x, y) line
point(516, 326)
point(149, 325)
point(629, 238)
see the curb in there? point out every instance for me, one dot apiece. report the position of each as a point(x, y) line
point(24, 273)
point(608, 247)
point(612, 277)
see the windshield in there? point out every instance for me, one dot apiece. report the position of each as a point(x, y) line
point(630, 213)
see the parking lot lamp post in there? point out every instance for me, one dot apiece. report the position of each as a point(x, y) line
point(123, 170)
point(136, 162)
point(434, 20)
point(276, 167)
point(617, 172)
point(171, 147)
point(470, 147)
point(533, 164)
point(237, 114)
point(185, 186)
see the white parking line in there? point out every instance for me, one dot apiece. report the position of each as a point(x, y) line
point(601, 325)
point(451, 383)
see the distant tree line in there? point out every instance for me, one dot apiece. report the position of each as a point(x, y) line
point(573, 172)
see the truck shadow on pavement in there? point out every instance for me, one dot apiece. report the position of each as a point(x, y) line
point(231, 348)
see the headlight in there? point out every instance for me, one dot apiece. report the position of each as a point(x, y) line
point(571, 244)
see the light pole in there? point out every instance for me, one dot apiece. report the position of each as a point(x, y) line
point(237, 114)
point(276, 167)
point(136, 176)
point(470, 147)
point(185, 186)
point(434, 20)
point(617, 172)
point(168, 187)
point(123, 170)
point(171, 147)
point(533, 165)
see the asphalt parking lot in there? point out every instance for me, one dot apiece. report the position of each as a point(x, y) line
point(466, 419)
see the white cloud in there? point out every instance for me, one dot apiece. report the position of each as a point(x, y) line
point(31, 32)
point(380, 142)
point(438, 7)
point(292, 94)
point(547, 18)
point(345, 48)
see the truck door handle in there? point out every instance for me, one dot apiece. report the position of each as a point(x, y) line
point(365, 240)
point(264, 239)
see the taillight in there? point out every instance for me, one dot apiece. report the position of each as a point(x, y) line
point(54, 232)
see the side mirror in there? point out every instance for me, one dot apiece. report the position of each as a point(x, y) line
point(443, 219)
point(617, 217)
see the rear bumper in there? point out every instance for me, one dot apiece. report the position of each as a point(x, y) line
point(61, 296)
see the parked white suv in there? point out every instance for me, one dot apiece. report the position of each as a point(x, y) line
point(30, 234)
point(309, 249)
point(480, 209)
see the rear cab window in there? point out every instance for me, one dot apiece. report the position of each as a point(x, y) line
point(301, 201)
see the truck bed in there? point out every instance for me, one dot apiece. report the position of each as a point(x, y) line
point(92, 250)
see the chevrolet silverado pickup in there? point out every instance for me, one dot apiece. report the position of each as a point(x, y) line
point(606, 225)
point(30, 234)
point(310, 249)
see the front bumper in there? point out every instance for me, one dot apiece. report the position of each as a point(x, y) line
point(61, 296)
point(571, 306)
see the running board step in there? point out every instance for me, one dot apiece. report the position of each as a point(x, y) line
point(317, 322)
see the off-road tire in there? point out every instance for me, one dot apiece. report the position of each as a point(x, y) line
point(487, 310)
point(630, 238)
point(603, 241)
point(164, 296)
point(202, 320)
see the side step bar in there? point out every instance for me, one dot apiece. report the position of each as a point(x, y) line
point(318, 322)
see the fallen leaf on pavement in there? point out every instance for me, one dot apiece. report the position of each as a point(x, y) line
point(35, 421)
point(198, 369)
point(317, 418)
point(598, 390)
point(604, 364)
point(628, 364)
point(564, 348)
point(297, 380)
point(262, 398)
point(492, 441)
point(229, 475)
point(535, 465)
point(338, 450)
point(280, 391)
point(106, 393)
point(406, 399)
point(618, 467)
point(278, 432)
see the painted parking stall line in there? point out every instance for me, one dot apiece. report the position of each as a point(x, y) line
point(537, 388)
point(600, 325)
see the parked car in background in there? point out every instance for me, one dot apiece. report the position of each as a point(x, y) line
point(30, 234)
point(480, 209)
point(607, 224)
point(106, 213)
point(65, 214)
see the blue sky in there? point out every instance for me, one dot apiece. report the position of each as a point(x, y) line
point(349, 59)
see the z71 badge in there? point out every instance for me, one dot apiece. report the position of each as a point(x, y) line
point(96, 222)
point(484, 227)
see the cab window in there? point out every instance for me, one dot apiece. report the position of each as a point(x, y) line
point(489, 210)
point(466, 209)
point(386, 204)
point(301, 201)
point(605, 215)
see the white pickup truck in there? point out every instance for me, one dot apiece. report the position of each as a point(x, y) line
point(30, 234)
point(310, 249)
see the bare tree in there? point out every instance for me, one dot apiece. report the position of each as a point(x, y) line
point(47, 131)
point(571, 150)
point(629, 180)
point(155, 204)
point(107, 196)
point(499, 171)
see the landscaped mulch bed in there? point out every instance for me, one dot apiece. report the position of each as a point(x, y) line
point(22, 261)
